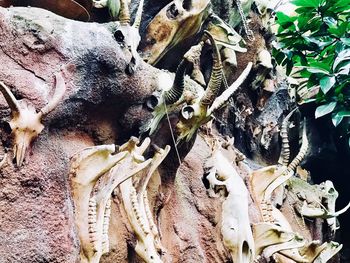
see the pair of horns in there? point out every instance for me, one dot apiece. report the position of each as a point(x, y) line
point(14, 104)
point(175, 93)
point(124, 15)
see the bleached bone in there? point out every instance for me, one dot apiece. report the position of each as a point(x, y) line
point(314, 249)
point(290, 170)
point(321, 212)
point(288, 249)
point(285, 151)
point(330, 195)
point(99, 3)
point(113, 7)
point(281, 240)
point(178, 20)
point(227, 94)
point(86, 168)
point(171, 92)
point(332, 249)
point(127, 35)
point(137, 208)
point(157, 159)
point(102, 191)
point(26, 123)
point(200, 111)
point(235, 226)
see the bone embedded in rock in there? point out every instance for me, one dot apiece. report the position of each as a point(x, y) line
point(26, 123)
point(86, 168)
point(235, 226)
point(136, 206)
point(171, 25)
point(145, 246)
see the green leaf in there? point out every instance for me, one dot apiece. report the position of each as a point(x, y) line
point(327, 83)
point(279, 57)
point(336, 120)
point(342, 56)
point(304, 10)
point(317, 70)
point(307, 3)
point(344, 113)
point(325, 109)
point(289, 67)
point(345, 40)
point(283, 19)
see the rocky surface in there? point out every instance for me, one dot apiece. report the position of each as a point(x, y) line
point(103, 105)
point(36, 210)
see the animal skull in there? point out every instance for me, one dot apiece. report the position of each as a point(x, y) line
point(330, 195)
point(235, 226)
point(26, 123)
point(177, 21)
point(127, 35)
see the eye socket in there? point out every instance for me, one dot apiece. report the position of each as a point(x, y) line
point(187, 112)
point(119, 36)
point(152, 102)
point(331, 191)
point(172, 12)
point(187, 4)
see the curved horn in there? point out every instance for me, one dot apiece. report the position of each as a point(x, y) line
point(226, 95)
point(138, 16)
point(285, 151)
point(10, 98)
point(124, 15)
point(57, 96)
point(216, 74)
point(174, 94)
point(303, 149)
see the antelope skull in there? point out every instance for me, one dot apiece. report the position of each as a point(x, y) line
point(127, 35)
point(200, 111)
point(26, 123)
point(177, 21)
point(330, 194)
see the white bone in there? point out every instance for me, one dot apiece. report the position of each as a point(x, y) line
point(235, 226)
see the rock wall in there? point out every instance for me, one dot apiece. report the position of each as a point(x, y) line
point(103, 104)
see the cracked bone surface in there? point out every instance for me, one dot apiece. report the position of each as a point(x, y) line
point(26, 123)
point(235, 225)
point(135, 202)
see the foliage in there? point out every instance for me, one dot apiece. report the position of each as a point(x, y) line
point(314, 45)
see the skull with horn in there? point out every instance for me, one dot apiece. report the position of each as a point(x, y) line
point(127, 35)
point(26, 123)
point(198, 113)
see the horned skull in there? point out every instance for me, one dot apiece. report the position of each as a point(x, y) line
point(26, 123)
point(127, 35)
point(200, 111)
